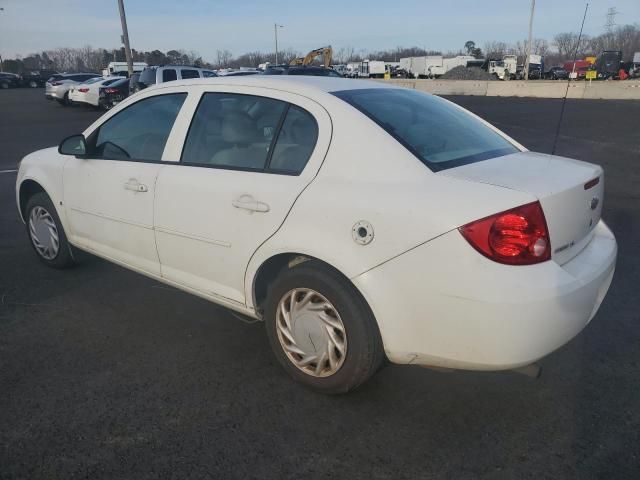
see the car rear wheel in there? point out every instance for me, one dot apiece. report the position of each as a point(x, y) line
point(46, 233)
point(4, 85)
point(65, 100)
point(33, 84)
point(321, 329)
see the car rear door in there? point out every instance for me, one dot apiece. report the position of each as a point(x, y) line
point(109, 196)
point(248, 154)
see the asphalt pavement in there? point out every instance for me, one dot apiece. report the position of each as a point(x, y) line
point(107, 374)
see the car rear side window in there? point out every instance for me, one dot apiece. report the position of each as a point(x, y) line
point(233, 131)
point(440, 134)
point(169, 74)
point(208, 74)
point(138, 132)
point(296, 141)
point(189, 73)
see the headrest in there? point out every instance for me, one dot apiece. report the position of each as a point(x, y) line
point(240, 128)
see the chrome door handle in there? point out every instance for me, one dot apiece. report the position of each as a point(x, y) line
point(135, 186)
point(247, 202)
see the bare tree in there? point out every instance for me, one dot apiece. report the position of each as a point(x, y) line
point(567, 42)
point(495, 49)
point(223, 57)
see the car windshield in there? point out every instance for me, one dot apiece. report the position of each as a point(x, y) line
point(439, 133)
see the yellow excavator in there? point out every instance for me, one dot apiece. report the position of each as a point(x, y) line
point(325, 52)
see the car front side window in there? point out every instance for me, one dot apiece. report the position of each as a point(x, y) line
point(138, 132)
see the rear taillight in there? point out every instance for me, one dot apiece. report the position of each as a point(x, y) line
point(110, 90)
point(83, 90)
point(515, 237)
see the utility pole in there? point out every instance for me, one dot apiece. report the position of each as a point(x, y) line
point(275, 31)
point(1, 10)
point(125, 37)
point(526, 60)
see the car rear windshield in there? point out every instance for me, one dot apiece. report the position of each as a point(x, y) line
point(440, 134)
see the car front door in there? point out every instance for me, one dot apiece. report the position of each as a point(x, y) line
point(247, 156)
point(109, 194)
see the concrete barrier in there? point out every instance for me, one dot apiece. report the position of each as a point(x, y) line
point(624, 90)
point(614, 90)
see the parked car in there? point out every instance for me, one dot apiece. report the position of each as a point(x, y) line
point(9, 80)
point(38, 78)
point(302, 70)
point(356, 219)
point(112, 94)
point(556, 73)
point(57, 88)
point(238, 73)
point(88, 93)
point(168, 73)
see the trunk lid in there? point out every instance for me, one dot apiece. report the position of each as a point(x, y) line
point(566, 189)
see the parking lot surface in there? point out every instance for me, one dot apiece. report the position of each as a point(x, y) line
point(107, 374)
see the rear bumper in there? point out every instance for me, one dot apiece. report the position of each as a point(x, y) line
point(442, 304)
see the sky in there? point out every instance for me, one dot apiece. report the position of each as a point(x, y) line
point(205, 26)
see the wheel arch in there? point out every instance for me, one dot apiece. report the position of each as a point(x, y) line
point(271, 267)
point(28, 188)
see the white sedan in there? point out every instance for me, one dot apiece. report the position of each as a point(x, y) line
point(89, 91)
point(359, 220)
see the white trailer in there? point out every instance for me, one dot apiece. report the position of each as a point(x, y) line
point(120, 68)
point(372, 69)
point(419, 67)
point(448, 63)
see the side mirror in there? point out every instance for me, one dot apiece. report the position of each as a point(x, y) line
point(73, 145)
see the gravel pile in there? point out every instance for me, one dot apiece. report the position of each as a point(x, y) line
point(464, 73)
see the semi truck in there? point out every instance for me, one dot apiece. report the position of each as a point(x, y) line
point(608, 64)
point(504, 69)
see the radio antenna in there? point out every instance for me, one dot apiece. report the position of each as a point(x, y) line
point(564, 100)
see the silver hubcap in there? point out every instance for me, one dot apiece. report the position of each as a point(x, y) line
point(311, 332)
point(44, 233)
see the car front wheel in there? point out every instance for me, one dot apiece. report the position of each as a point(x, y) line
point(321, 329)
point(46, 233)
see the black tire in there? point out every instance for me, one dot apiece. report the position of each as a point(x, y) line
point(65, 100)
point(4, 85)
point(33, 84)
point(365, 352)
point(64, 257)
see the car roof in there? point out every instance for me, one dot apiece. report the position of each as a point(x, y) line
point(301, 84)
